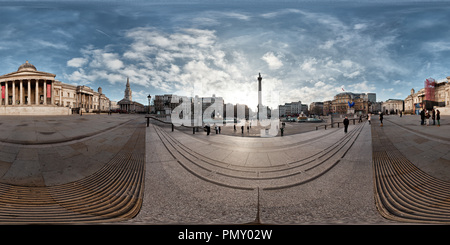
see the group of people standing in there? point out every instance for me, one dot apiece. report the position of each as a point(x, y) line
point(425, 116)
point(369, 118)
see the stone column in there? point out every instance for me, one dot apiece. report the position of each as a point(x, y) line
point(52, 98)
point(14, 92)
point(3, 92)
point(29, 92)
point(45, 92)
point(36, 92)
point(6, 93)
point(21, 92)
point(60, 97)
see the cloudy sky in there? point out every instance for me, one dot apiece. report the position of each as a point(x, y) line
point(305, 50)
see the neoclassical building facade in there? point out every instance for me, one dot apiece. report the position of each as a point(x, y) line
point(340, 104)
point(415, 102)
point(28, 91)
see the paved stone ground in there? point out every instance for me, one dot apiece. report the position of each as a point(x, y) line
point(428, 147)
point(343, 195)
point(51, 150)
point(43, 151)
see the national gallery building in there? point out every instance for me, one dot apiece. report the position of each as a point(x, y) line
point(439, 93)
point(31, 92)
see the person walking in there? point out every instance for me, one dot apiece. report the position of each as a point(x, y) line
point(346, 122)
point(422, 117)
point(381, 119)
point(438, 117)
point(433, 116)
point(427, 118)
point(369, 117)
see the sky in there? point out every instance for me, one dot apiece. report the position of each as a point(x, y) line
point(306, 51)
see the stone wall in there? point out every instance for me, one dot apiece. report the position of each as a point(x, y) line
point(34, 110)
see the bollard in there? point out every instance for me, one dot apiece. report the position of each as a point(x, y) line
point(172, 127)
point(148, 121)
point(193, 130)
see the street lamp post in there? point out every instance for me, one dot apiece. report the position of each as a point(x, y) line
point(149, 98)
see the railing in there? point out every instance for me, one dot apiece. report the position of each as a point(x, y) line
point(338, 123)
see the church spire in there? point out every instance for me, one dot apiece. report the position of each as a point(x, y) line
point(128, 91)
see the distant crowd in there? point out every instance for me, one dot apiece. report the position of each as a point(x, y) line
point(425, 116)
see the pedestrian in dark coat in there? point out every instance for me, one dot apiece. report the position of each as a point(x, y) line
point(381, 119)
point(422, 117)
point(433, 116)
point(438, 117)
point(346, 122)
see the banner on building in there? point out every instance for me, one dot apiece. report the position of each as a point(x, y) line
point(3, 91)
point(49, 90)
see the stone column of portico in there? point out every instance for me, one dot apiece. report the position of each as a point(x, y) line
point(52, 97)
point(29, 92)
point(13, 92)
point(21, 92)
point(36, 92)
point(1, 85)
point(6, 94)
point(60, 97)
point(45, 92)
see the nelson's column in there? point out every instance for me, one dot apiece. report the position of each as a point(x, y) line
point(259, 94)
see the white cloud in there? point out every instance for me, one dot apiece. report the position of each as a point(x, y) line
point(362, 87)
point(437, 46)
point(176, 62)
point(360, 26)
point(43, 43)
point(281, 12)
point(273, 61)
point(77, 62)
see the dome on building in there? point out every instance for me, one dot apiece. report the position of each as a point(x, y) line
point(27, 67)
